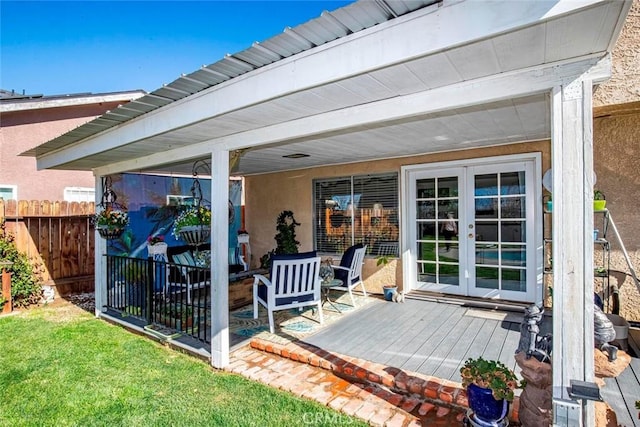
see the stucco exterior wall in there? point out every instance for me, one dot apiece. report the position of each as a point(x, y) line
point(269, 194)
point(617, 166)
point(624, 85)
point(23, 130)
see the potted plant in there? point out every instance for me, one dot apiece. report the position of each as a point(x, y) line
point(599, 202)
point(193, 225)
point(490, 387)
point(388, 290)
point(111, 222)
point(286, 242)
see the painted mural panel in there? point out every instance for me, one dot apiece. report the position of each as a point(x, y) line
point(153, 203)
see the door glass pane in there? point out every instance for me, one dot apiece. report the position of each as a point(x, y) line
point(426, 209)
point(448, 187)
point(426, 188)
point(512, 207)
point(487, 231)
point(486, 207)
point(513, 231)
point(513, 255)
point(449, 274)
point(426, 230)
point(486, 185)
point(514, 280)
point(512, 183)
point(487, 277)
point(487, 254)
point(426, 251)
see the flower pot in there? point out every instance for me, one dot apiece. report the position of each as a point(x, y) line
point(110, 233)
point(389, 291)
point(599, 205)
point(195, 235)
point(486, 409)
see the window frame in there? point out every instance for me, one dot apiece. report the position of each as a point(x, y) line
point(374, 221)
point(13, 188)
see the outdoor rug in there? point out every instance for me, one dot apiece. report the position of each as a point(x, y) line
point(292, 324)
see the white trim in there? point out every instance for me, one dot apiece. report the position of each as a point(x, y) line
point(407, 175)
point(473, 92)
point(14, 190)
point(22, 104)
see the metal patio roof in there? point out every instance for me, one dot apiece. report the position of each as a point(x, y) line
point(327, 27)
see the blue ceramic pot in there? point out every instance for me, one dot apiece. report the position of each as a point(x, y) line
point(484, 406)
point(389, 292)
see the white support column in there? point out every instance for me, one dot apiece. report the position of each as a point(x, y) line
point(100, 269)
point(220, 258)
point(572, 164)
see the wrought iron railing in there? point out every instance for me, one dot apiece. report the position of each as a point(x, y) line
point(168, 297)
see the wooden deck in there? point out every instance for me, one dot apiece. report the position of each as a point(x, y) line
point(436, 338)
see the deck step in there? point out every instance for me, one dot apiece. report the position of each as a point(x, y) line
point(413, 385)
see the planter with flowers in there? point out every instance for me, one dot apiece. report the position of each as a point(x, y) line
point(157, 246)
point(490, 387)
point(111, 222)
point(193, 225)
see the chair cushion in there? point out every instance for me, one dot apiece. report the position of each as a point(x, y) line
point(345, 261)
point(184, 258)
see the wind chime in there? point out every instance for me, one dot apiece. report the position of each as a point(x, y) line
point(111, 218)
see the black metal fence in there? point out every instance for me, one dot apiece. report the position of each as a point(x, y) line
point(171, 298)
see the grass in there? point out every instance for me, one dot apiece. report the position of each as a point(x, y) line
point(62, 367)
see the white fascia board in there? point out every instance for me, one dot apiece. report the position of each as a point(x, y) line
point(57, 102)
point(474, 92)
point(411, 36)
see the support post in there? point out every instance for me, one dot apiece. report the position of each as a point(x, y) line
point(6, 288)
point(220, 258)
point(572, 158)
point(100, 260)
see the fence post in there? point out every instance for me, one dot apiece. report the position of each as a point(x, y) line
point(6, 287)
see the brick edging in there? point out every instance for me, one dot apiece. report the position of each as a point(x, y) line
point(358, 370)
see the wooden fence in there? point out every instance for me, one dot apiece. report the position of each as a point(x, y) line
point(58, 235)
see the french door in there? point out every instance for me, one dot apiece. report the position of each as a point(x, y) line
point(472, 230)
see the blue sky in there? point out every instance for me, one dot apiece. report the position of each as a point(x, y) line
point(55, 47)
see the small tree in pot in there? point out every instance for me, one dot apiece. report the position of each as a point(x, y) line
point(286, 242)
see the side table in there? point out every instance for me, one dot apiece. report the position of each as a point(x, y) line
point(325, 287)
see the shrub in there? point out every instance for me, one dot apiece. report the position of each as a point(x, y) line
point(26, 284)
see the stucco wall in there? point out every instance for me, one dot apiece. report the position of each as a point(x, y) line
point(22, 130)
point(269, 194)
point(617, 166)
point(624, 85)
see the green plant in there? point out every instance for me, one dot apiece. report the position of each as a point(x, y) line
point(383, 260)
point(195, 215)
point(286, 242)
point(141, 383)
point(490, 374)
point(110, 217)
point(598, 195)
point(26, 281)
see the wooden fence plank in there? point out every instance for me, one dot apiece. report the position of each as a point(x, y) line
point(58, 234)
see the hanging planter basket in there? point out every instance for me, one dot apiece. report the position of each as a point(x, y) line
point(110, 233)
point(195, 235)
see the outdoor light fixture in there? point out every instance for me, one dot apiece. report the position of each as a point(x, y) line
point(296, 156)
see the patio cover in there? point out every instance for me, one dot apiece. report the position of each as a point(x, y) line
point(428, 76)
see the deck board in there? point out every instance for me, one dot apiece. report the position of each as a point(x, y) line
point(434, 338)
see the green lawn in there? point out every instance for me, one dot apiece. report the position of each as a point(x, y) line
point(62, 367)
